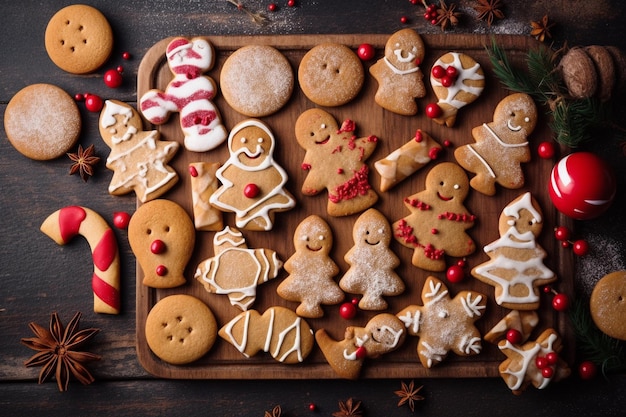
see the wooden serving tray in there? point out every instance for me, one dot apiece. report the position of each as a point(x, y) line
point(224, 361)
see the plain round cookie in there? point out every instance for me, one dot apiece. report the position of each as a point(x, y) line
point(330, 74)
point(42, 121)
point(608, 304)
point(79, 39)
point(180, 329)
point(257, 80)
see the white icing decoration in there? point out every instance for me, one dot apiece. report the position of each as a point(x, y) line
point(396, 335)
point(434, 291)
point(500, 141)
point(412, 322)
point(398, 71)
point(482, 160)
point(111, 110)
point(528, 359)
point(524, 203)
point(472, 307)
point(431, 353)
point(470, 345)
point(410, 56)
point(470, 73)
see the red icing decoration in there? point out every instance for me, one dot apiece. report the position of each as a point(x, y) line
point(418, 136)
point(306, 167)
point(104, 291)
point(433, 153)
point(193, 171)
point(355, 186)
point(70, 218)
point(161, 270)
point(157, 246)
point(251, 190)
point(347, 126)
point(361, 352)
point(105, 251)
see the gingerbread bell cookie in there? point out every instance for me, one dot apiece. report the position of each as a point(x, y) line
point(335, 160)
point(398, 73)
point(138, 158)
point(444, 324)
point(501, 145)
point(190, 93)
point(162, 237)
point(253, 183)
point(438, 221)
point(311, 270)
point(516, 268)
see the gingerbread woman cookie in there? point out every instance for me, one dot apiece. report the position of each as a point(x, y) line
point(372, 262)
point(189, 93)
point(516, 268)
point(384, 333)
point(335, 159)
point(311, 270)
point(444, 324)
point(138, 158)
point(236, 270)
point(253, 184)
point(438, 220)
point(398, 73)
point(501, 146)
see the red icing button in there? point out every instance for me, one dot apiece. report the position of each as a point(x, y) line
point(161, 270)
point(157, 246)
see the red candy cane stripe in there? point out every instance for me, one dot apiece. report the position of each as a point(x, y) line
point(68, 222)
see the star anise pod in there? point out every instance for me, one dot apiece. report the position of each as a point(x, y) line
point(349, 408)
point(57, 351)
point(446, 15)
point(84, 161)
point(409, 394)
point(541, 29)
point(489, 10)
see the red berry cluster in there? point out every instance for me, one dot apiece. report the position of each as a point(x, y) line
point(546, 364)
point(560, 302)
point(580, 247)
point(431, 14)
point(446, 76)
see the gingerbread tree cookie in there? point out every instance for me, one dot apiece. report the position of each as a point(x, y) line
point(138, 158)
point(444, 324)
point(253, 184)
point(516, 268)
point(236, 270)
point(438, 220)
point(335, 159)
point(372, 262)
point(501, 145)
point(398, 73)
point(311, 270)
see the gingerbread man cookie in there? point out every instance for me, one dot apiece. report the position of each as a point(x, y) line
point(398, 73)
point(501, 145)
point(311, 270)
point(138, 158)
point(444, 324)
point(372, 262)
point(516, 268)
point(253, 184)
point(438, 220)
point(189, 93)
point(384, 333)
point(335, 159)
point(236, 270)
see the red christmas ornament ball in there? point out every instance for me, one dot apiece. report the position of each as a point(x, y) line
point(365, 52)
point(582, 186)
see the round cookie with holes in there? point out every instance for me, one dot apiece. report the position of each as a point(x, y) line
point(608, 304)
point(180, 329)
point(331, 74)
point(79, 39)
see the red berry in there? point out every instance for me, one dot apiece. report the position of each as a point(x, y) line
point(547, 372)
point(447, 81)
point(93, 102)
point(565, 244)
point(587, 370)
point(433, 110)
point(272, 7)
point(361, 352)
point(121, 219)
point(546, 150)
point(157, 246)
point(452, 72)
point(113, 78)
point(447, 143)
point(461, 263)
point(79, 97)
point(561, 233)
point(404, 20)
point(312, 407)
point(552, 358)
point(560, 302)
point(438, 71)
point(514, 336)
point(291, 3)
point(580, 247)
point(161, 270)
point(355, 301)
point(366, 52)
point(433, 22)
point(541, 362)
point(347, 311)
point(126, 55)
point(251, 190)
point(455, 274)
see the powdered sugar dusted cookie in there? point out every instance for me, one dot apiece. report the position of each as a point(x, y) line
point(253, 183)
point(138, 158)
point(236, 270)
point(372, 262)
point(384, 333)
point(335, 159)
point(257, 80)
point(501, 145)
point(443, 323)
point(311, 270)
point(279, 332)
point(398, 73)
point(190, 93)
point(516, 268)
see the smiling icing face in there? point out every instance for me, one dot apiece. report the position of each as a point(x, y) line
point(516, 114)
point(313, 235)
point(252, 145)
point(315, 128)
point(448, 181)
point(403, 49)
point(372, 229)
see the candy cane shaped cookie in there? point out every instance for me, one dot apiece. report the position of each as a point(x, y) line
point(62, 225)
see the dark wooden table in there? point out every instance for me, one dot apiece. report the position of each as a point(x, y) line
point(38, 278)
